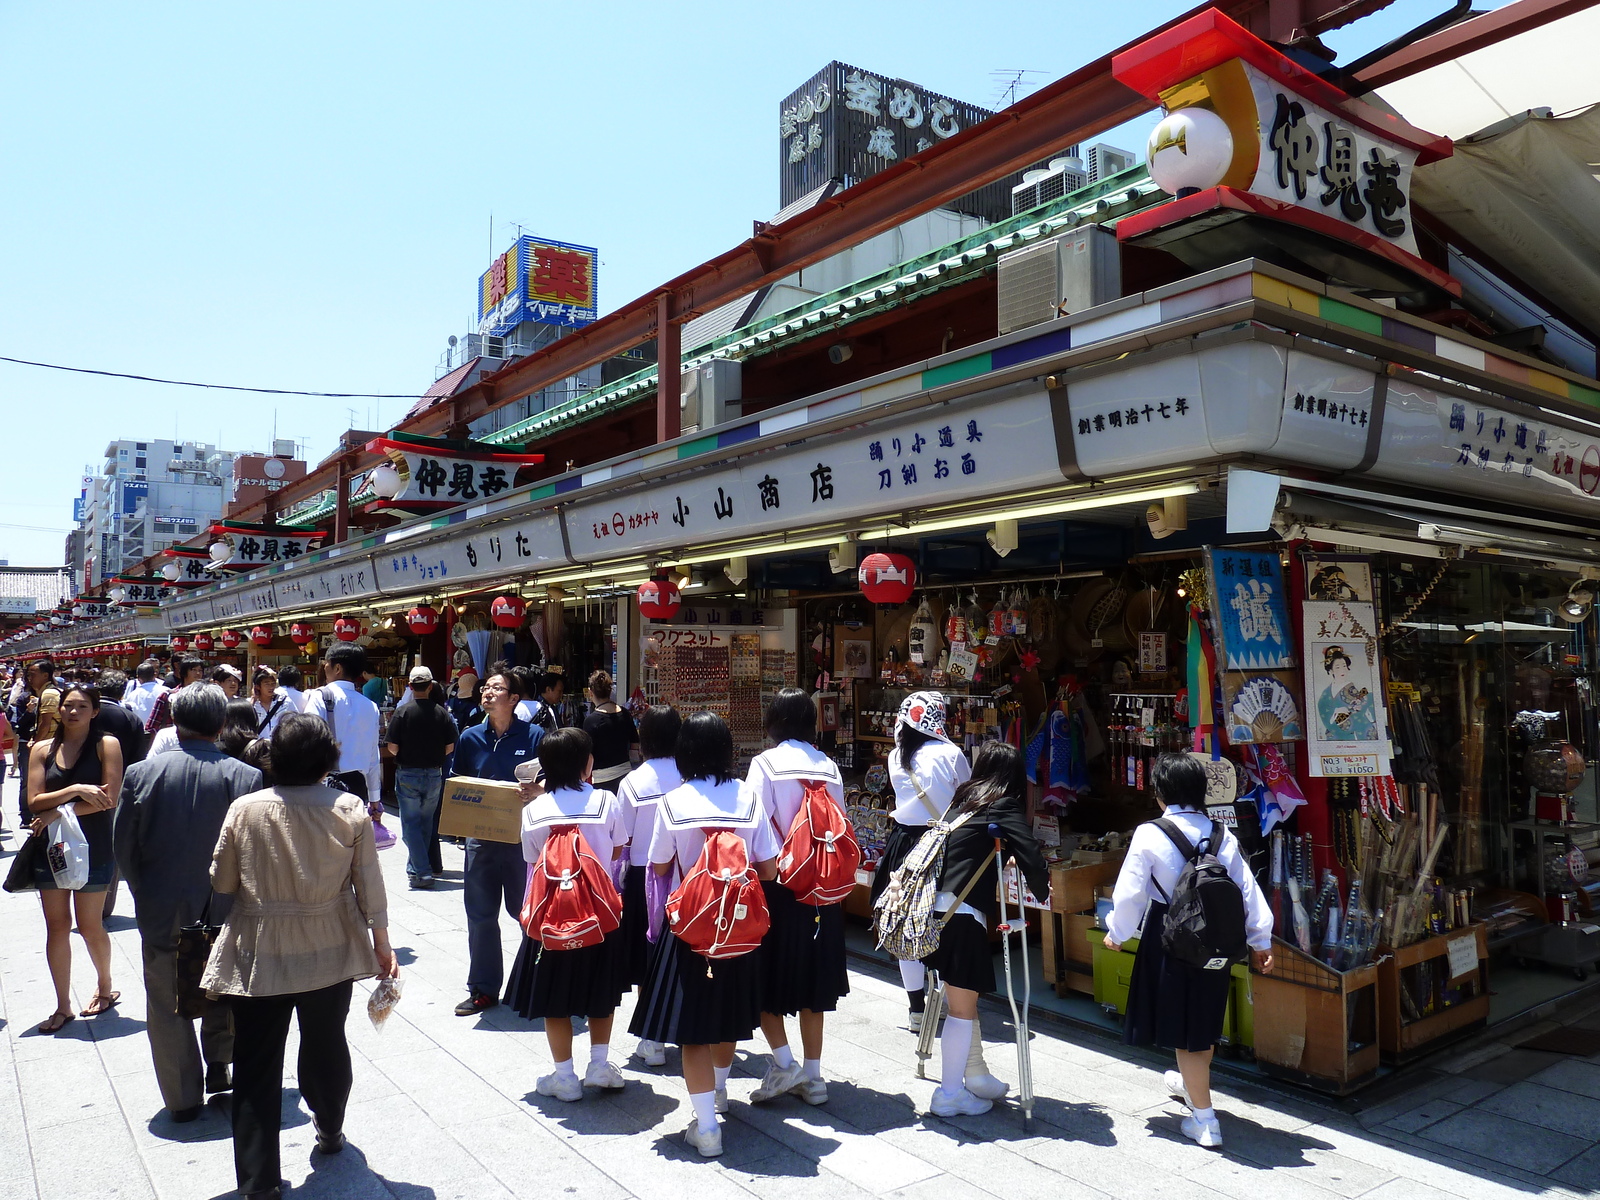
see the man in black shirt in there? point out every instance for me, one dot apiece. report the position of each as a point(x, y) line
point(421, 737)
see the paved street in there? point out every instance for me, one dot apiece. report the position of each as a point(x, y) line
point(444, 1107)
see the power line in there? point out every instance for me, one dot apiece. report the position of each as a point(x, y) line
point(226, 387)
point(37, 528)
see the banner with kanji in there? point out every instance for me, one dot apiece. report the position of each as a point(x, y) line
point(432, 473)
point(261, 545)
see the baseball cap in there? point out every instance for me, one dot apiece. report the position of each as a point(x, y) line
point(421, 675)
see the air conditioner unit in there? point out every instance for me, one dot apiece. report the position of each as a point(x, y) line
point(710, 395)
point(494, 347)
point(1044, 184)
point(1068, 273)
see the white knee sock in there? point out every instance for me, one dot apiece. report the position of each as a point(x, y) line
point(954, 1043)
point(913, 975)
point(705, 1110)
point(599, 1052)
point(783, 1056)
point(565, 1068)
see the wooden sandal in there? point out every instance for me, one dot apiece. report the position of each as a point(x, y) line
point(55, 1022)
point(101, 1004)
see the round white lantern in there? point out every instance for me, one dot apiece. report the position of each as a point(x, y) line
point(1189, 151)
point(172, 572)
point(386, 481)
point(220, 551)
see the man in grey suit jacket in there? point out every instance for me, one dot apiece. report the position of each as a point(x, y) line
point(168, 818)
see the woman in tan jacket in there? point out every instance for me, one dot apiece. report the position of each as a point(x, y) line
point(309, 917)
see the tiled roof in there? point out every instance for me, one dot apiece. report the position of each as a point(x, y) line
point(49, 586)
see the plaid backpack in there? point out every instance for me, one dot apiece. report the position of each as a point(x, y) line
point(903, 920)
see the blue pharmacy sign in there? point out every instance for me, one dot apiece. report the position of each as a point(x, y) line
point(538, 279)
point(1252, 614)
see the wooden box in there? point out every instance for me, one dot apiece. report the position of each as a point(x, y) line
point(1065, 952)
point(1401, 1037)
point(1072, 888)
point(1314, 1025)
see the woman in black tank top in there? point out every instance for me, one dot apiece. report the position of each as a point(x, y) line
point(73, 768)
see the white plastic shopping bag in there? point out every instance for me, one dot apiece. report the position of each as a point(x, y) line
point(67, 850)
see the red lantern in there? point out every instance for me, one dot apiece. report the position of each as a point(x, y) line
point(424, 618)
point(179, 644)
point(261, 635)
point(204, 642)
point(658, 599)
point(506, 611)
point(887, 578)
point(302, 634)
point(231, 638)
point(347, 629)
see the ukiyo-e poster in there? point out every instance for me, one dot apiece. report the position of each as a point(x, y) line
point(1344, 700)
point(1347, 579)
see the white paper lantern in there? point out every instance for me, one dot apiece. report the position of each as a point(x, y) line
point(386, 481)
point(1189, 151)
point(172, 572)
point(220, 551)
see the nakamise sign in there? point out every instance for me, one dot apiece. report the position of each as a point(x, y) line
point(259, 545)
point(425, 474)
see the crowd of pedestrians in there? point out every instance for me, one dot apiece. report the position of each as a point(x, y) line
point(245, 817)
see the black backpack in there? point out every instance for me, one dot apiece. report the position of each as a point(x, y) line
point(1205, 924)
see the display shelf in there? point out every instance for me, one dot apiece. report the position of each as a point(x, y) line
point(1401, 1037)
point(1314, 1025)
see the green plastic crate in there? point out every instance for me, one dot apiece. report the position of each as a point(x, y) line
point(1113, 972)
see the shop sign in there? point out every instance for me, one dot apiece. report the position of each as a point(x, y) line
point(143, 592)
point(260, 546)
point(1252, 615)
point(91, 610)
point(188, 613)
point(514, 548)
point(945, 454)
point(538, 279)
point(340, 579)
point(236, 603)
point(1347, 717)
point(429, 473)
point(1438, 440)
point(18, 605)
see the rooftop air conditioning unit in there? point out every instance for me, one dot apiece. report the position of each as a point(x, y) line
point(711, 394)
point(1044, 184)
point(1068, 273)
point(494, 347)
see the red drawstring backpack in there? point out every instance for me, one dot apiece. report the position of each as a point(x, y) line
point(820, 855)
point(719, 910)
point(571, 901)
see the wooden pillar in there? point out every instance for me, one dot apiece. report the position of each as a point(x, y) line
point(668, 353)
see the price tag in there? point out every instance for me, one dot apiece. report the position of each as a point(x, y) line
point(1463, 953)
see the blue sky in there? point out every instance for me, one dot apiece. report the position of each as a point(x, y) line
point(299, 195)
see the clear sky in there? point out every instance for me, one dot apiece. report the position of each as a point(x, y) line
point(299, 195)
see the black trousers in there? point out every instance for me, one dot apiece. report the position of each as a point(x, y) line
point(260, 1029)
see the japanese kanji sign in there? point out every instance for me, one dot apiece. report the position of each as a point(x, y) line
point(436, 474)
point(262, 545)
point(538, 279)
point(1252, 615)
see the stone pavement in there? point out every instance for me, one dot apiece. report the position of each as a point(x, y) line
point(444, 1107)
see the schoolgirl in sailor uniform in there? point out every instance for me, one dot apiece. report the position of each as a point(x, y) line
point(705, 1011)
point(1171, 1003)
point(639, 793)
point(557, 985)
point(925, 769)
point(803, 955)
point(995, 795)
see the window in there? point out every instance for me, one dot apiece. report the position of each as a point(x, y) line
point(139, 462)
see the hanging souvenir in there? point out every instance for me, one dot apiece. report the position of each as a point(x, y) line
point(995, 620)
point(977, 621)
point(924, 635)
point(1019, 614)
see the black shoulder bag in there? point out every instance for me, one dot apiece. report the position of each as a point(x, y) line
point(189, 965)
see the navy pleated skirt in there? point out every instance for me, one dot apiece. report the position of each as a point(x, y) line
point(589, 982)
point(802, 956)
point(691, 1000)
point(964, 957)
point(1171, 1004)
point(635, 931)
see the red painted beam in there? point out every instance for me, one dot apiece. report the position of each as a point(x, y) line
point(1476, 34)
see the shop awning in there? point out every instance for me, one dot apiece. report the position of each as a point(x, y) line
point(1369, 520)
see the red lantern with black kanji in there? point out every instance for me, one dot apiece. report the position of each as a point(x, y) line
point(261, 635)
point(179, 645)
point(302, 634)
point(231, 638)
point(424, 618)
point(204, 641)
point(347, 629)
point(506, 611)
point(887, 578)
point(659, 599)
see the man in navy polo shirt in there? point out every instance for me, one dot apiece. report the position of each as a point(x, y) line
point(495, 873)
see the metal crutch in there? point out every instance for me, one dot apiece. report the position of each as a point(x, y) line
point(1019, 1020)
point(932, 1011)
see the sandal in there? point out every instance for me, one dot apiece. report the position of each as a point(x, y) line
point(101, 1004)
point(55, 1022)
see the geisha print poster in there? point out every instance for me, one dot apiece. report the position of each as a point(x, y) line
point(1345, 717)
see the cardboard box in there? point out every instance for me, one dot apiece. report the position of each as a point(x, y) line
point(487, 809)
point(1072, 888)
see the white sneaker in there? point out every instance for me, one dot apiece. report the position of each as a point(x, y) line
point(777, 1081)
point(960, 1103)
point(915, 1022)
point(812, 1091)
point(562, 1086)
point(603, 1075)
point(652, 1054)
point(708, 1142)
point(1203, 1133)
point(987, 1087)
point(1174, 1082)
point(720, 1099)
